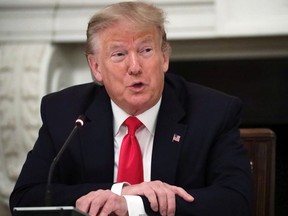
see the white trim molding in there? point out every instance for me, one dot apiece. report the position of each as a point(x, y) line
point(66, 20)
point(243, 18)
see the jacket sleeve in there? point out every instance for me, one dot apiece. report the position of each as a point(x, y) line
point(68, 183)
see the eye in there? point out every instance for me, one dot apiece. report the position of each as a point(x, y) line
point(118, 56)
point(146, 51)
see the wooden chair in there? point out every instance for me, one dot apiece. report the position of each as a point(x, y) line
point(260, 143)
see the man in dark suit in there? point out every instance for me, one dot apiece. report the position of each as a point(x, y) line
point(193, 160)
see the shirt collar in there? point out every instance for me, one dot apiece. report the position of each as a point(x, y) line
point(148, 118)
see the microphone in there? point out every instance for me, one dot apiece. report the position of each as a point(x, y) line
point(78, 123)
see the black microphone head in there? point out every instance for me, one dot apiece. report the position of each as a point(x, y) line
point(80, 120)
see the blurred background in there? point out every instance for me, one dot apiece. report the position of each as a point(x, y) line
point(237, 46)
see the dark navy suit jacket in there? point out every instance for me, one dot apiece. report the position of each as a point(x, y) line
point(208, 161)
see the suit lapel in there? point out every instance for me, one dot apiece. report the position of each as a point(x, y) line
point(169, 135)
point(97, 140)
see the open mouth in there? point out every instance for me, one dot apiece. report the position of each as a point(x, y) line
point(137, 85)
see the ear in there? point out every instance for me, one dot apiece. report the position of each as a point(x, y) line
point(165, 63)
point(94, 66)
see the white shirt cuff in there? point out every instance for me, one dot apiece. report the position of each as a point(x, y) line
point(117, 188)
point(134, 203)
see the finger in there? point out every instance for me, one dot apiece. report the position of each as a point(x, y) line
point(182, 193)
point(166, 199)
point(92, 202)
point(162, 202)
point(144, 189)
point(151, 196)
point(101, 197)
point(83, 203)
point(110, 205)
point(171, 204)
point(115, 205)
point(161, 191)
point(96, 205)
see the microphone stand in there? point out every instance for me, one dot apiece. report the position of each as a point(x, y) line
point(78, 123)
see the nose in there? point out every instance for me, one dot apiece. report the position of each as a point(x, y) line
point(134, 66)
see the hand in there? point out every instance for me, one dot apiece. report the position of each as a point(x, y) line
point(160, 195)
point(102, 203)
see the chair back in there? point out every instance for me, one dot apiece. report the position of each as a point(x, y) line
point(260, 143)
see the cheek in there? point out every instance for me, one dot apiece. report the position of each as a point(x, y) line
point(112, 76)
point(157, 79)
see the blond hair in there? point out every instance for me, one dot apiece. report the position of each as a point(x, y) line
point(140, 13)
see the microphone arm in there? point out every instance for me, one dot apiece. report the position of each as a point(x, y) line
point(78, 123)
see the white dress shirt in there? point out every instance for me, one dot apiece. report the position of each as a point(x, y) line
point(145, 137)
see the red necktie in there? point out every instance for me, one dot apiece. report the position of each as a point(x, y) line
point(130, 167)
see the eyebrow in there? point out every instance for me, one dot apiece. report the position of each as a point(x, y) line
point(147, 39)
point(115, 46)
point(119, 44)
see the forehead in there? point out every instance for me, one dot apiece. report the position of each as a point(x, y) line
point(127, 32)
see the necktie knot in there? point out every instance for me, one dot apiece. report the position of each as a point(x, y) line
point(133, 124)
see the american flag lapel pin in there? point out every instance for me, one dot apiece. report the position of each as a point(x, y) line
point(176, 138)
